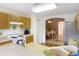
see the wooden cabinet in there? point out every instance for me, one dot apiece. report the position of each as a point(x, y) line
point(14, 18)
point(77, 22)
point(26, 23)
point(4, 21)
point(29, 39)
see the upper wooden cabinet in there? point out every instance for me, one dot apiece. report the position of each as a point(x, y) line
point(26, 22)
point(77, 22)
point(14, 18)
point(4, 21)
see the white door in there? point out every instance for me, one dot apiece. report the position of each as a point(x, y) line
point(61, 30)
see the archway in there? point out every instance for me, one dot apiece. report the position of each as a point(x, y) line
point(55, 31)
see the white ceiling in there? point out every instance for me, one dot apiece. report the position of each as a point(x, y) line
point(26, 8)
point(18, 8)
point(62, 8)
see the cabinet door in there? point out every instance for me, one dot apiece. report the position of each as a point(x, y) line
point(4, 21)
point(29, 39)
point(26, 22)
point(14, 18)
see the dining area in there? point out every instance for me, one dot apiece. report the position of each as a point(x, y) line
point(55, 32)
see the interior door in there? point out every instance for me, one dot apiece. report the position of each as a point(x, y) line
point(61, 30)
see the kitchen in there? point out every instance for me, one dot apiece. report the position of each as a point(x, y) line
point(14, 28)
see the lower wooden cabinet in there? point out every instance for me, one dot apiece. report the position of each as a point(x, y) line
point(29, 39)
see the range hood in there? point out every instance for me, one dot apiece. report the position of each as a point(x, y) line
point(17, 23)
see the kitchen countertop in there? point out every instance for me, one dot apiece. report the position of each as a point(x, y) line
point(27, 35)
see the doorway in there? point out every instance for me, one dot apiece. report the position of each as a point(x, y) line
point(55, 31)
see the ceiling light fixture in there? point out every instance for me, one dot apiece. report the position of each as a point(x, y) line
point(49, 21)
point(37, 8)
point(17, 23)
